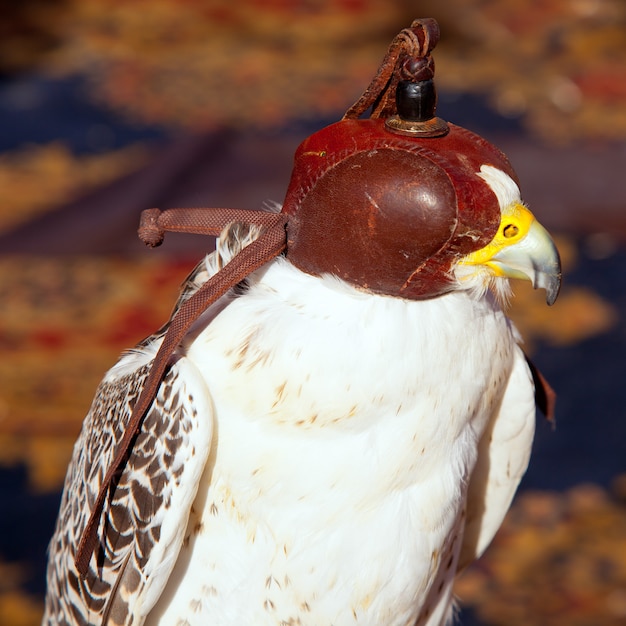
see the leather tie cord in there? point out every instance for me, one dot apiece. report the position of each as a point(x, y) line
point(271, 243)
point(408, 57)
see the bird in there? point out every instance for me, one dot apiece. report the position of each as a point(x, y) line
point(341, 432)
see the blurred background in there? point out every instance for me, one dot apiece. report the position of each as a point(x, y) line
point(108, 107)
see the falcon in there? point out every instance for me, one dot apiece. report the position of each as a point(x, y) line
point(337, 431)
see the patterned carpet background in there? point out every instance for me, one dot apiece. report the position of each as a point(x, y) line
point(109, 107)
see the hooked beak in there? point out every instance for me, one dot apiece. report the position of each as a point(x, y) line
point(522, 248)
point(534, 258)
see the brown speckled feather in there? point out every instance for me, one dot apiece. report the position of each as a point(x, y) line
point(131, 523)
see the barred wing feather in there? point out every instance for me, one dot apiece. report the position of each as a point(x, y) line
point(144, 521)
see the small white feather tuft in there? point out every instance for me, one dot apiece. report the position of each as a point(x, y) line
point(478, 280)
point(272, 206)
point(502, 185)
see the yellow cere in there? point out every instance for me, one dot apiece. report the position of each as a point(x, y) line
point(514, 226)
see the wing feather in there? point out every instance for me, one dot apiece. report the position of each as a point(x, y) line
point(144, 520)
point(503, 455)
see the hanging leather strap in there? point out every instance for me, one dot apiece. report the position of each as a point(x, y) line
point(154, 223)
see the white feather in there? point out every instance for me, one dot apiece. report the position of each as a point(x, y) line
point(347, 427)
point(502, 185)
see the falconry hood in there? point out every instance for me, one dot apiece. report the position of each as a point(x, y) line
point(390, 202)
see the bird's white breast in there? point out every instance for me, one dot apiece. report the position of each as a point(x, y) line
point(346, 429)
